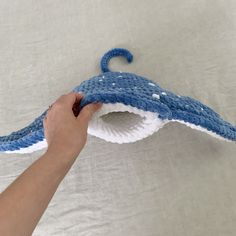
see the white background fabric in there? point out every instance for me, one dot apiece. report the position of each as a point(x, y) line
point(177, 182)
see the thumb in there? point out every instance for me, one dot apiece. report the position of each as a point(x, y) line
point(87, 111)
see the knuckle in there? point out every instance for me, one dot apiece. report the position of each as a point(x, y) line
point(87, 111)
point(85, 115)
point(58, 104)
point(63, 97)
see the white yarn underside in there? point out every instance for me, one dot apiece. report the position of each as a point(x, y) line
point(124, 123)
point(119, 123)
point(37, 146)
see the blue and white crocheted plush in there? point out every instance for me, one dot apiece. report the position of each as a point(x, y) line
point(133, 108)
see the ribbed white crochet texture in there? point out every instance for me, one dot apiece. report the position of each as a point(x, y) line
point(121, 123)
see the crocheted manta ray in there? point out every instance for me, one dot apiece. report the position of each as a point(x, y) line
point(134, 107)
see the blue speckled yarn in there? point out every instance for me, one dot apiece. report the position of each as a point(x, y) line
point(134, 90)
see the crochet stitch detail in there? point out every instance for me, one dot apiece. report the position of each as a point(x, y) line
point(150, 107)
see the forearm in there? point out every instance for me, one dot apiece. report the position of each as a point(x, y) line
point(24, 201)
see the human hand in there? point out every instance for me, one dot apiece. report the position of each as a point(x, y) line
point(65, 133)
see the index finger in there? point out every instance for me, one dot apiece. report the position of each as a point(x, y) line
point(70, 98)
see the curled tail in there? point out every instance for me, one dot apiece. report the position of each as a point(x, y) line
point(114, 53)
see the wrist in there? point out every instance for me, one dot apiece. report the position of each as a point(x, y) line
point(60, 156)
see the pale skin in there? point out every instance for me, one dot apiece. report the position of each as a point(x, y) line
point(24, 201)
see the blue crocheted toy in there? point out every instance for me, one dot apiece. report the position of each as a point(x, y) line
point(133, 108)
